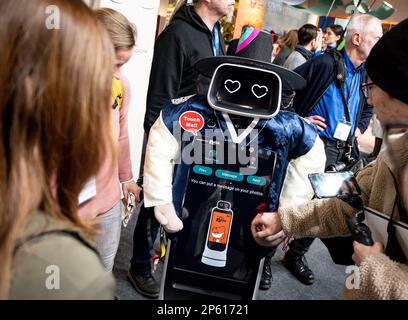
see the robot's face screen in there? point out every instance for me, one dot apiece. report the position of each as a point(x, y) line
point(248, 89)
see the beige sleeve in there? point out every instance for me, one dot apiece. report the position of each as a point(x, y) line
point(326, 217)
point(316, 218)
point(161, 152)
point(382, 278)
point(297, 188)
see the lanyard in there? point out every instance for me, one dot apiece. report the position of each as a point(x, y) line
point(216, 41)
point(346, 88)
point(351, 89)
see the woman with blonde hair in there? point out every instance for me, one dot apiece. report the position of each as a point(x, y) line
point(105, 207)
point(55, 115)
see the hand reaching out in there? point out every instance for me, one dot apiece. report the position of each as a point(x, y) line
point(131, 186)
point(318, 121)
point(362, 251)
point(266, 229)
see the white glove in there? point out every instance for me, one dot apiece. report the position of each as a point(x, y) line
point(166, 215)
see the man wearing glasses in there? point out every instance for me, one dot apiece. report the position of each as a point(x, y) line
point(337, 110)
point(384, 183)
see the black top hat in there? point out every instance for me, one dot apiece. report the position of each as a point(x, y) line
point(254, 50)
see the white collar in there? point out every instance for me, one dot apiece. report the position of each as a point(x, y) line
point(235, 138)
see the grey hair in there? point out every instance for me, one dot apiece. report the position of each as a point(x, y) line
point(360, 23)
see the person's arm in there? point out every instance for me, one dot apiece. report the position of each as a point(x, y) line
point(382, 278)
point(316, 218)
point(165, 76)
point(125, 164)
point(319, 218)
point(326, 217)
point(318, 72)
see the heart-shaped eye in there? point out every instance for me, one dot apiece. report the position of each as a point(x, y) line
point(232, 86)
point(259, 91)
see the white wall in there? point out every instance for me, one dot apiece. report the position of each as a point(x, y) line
point(280, 17)
point(143, 13)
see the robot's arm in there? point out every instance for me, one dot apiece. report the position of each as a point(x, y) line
point(161, 152)
point(296, 188)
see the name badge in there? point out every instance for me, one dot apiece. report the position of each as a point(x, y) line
point(342, 131)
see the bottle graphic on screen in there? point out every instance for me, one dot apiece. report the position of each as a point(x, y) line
point(216, 245)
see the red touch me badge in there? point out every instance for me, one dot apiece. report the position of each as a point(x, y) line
point(191, 121)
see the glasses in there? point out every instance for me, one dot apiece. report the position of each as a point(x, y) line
point(366, 87)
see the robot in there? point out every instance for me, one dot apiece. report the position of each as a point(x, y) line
point(214, 161)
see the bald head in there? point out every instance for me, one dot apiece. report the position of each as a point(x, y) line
point(363, 32)
point(361, 24)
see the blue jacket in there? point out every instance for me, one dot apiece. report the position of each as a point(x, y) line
point(319, 72)
point(287, 134)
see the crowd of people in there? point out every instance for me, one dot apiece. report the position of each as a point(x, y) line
point(63, 139)
point(381, 275)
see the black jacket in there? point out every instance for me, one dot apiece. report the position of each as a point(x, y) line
point(184, 41)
